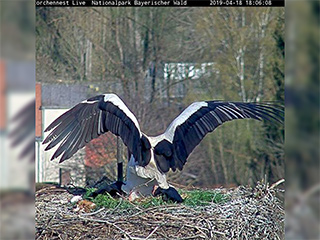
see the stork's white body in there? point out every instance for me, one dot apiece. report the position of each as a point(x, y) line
point(141, 180)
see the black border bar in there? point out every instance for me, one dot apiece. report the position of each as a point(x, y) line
point(160, 3)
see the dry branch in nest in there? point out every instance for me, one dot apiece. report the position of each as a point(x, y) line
point(248, 214)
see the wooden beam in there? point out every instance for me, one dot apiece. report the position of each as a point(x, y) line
point(119, 159)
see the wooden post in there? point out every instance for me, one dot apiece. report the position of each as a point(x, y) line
point(119, 160)
point(60, 177)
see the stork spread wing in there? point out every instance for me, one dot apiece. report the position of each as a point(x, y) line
point(88, 120)
point(200, 118)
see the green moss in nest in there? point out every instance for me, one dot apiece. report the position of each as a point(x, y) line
point(203, 197)
point(191, 198)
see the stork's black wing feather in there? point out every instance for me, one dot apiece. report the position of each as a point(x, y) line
point(200, 118)
point(88, 120)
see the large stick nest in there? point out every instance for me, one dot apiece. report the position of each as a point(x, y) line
point(249, 213)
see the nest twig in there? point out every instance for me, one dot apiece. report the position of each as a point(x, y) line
point(249, 214)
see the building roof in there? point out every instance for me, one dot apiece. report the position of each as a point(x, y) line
point(63, 95)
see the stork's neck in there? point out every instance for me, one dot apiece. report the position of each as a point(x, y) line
point(154, 140)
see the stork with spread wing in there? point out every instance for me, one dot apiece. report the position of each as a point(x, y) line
point(150, 157)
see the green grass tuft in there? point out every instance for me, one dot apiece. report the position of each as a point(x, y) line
point(203, 197)
point(105, 200)
point(88, 192)
point(191, 198)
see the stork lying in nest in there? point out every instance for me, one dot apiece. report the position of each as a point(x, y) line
point(150, 157)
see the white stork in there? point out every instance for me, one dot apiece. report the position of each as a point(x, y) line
point(151, 157)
